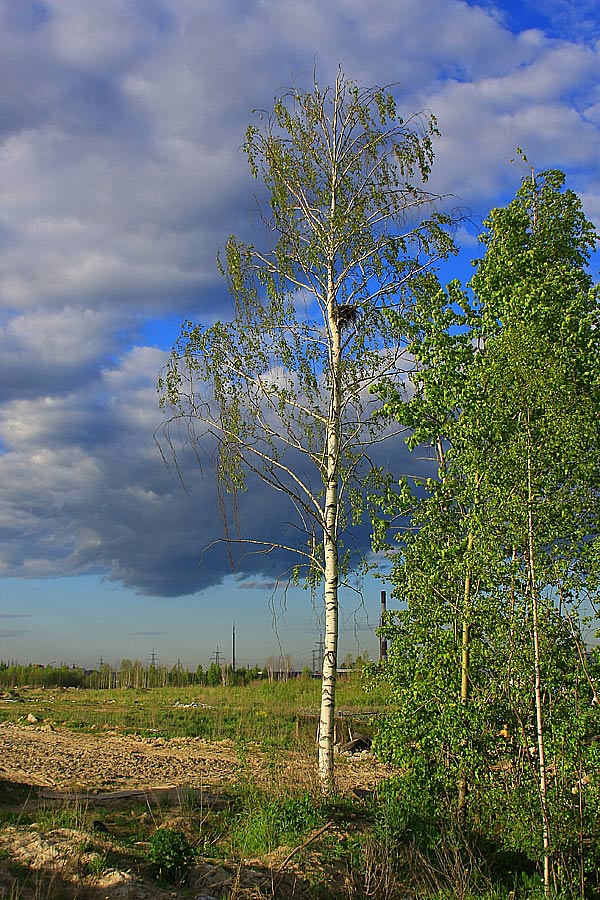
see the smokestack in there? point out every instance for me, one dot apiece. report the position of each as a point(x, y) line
point(383, 648)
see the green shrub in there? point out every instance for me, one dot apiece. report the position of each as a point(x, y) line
point(171, 853)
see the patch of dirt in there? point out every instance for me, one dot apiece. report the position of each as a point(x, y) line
point(67, 761)
point(42, 765)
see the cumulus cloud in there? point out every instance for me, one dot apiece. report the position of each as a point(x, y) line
point(120, 132)
point(538, 106)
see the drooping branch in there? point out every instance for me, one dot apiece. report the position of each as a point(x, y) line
point(283, 389)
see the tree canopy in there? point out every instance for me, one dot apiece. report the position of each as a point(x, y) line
point(502, 548)
point(283, 388)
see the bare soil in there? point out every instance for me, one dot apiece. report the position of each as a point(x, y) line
point(42, 765)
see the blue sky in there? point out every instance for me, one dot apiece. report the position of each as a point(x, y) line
point(121, 175)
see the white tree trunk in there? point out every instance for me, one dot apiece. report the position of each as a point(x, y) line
point(327, 717)
point(539, 718)
point(331, 542)
point(464, 681)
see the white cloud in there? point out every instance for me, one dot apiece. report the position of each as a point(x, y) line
point(483, 122)
point(120, 128)
point(104, 37)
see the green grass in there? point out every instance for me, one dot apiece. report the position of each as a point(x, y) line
point(261, 712)
point(261, 822)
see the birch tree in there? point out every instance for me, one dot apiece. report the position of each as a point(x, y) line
point(538, 378)
point(283, 389)
point(508, 392)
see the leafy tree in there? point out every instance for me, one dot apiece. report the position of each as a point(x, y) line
point(282, 389)
point(178, 676)
point(507, 391)
point(126, 673)
point(214, 675)
point(541, 389)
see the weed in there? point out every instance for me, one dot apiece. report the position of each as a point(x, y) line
point(68, 816)
point(97, 864)
point(171, 853)
point(264, 823)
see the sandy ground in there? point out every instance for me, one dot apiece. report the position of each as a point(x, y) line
point(42, 764)
point(51, 757)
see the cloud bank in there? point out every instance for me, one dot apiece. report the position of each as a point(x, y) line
point(120, 133)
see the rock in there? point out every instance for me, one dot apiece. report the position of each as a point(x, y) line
point(216, 876)
point(31, 718)
point(113, 877)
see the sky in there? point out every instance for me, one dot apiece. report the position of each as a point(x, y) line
point(121, 175)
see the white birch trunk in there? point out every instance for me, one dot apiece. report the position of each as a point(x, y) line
point(330, 547)
point(464, 681)
point(332, 510)
point(327, 717)
point(539, 720)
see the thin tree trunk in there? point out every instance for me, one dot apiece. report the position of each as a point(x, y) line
point(332, 501)
point(330, 546)
point(464, 681)
point(465, 644)
point(539, 720)
point(331, 528)
point(328, 684)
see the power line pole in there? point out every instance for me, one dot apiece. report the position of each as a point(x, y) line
point(100, 674)
point(217, 656)
point(233, 647)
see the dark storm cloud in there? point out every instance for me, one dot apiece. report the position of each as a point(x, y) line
point(120, 131)
point(84, 480)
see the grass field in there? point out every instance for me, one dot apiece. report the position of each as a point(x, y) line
point(276, 714)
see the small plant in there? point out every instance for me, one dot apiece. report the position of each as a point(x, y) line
point(171, 853)
point(68, 816)
point(97, 864)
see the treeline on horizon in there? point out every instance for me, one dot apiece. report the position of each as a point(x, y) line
point(139, 675)
point(128, 674)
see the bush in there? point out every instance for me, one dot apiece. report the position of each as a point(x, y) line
point(171, 853)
